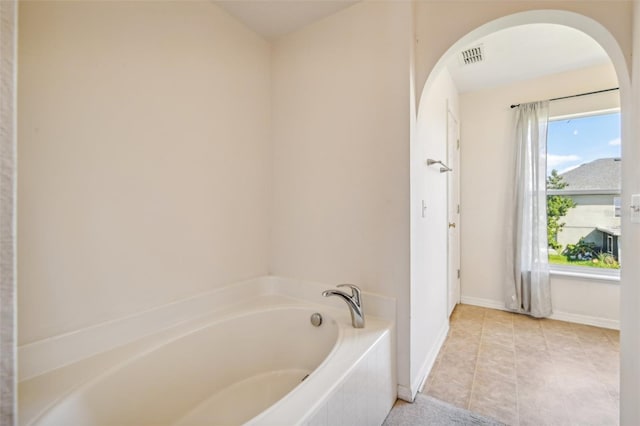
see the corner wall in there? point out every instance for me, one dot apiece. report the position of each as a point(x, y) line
point(341, 153)
point(144, 158)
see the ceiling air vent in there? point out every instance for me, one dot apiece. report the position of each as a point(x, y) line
point(472, 55)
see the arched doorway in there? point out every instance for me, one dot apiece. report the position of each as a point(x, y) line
point(579, 22)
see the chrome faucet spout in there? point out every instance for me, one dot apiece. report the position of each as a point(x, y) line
point(354, 302)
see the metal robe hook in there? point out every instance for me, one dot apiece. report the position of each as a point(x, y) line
point(444, 167)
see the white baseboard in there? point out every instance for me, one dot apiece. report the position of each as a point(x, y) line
point(587, 320)
point(420, 379)
point(484, 303)
point(427, 365)
point(557, 315)
point(404, 393)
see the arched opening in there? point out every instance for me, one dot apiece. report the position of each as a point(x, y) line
point(430, 188)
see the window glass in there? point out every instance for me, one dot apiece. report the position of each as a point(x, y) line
point(583, 191)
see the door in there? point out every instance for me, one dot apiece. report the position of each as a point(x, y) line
point(453, 201)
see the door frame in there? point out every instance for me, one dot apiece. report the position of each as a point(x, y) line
point(454, 290)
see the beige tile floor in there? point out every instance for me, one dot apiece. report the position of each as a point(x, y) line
point(526, 371)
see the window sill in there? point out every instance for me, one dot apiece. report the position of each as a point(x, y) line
point(611, 275)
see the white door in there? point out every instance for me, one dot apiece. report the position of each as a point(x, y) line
point(453, 196)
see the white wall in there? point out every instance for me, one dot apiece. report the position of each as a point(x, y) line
point(429, 316)
point(341, 154)
point(486, 153)
point(586, 300)
point(630, 291)
point(144, 158)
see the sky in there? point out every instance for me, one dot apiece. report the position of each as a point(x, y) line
point(572, 142)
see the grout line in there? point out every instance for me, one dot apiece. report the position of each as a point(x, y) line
point(475, 367)
point(555, 369)
point(515, 370)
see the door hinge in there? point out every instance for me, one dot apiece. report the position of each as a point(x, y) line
point(458, 209)
point(458, 143)
point(458, 273)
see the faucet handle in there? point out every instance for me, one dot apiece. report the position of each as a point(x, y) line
point(355, 292)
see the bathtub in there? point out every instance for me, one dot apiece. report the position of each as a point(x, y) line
point(263, 363)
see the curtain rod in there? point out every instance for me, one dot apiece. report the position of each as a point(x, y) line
point(576, 96)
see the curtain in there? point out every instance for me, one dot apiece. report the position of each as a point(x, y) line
point(8, 43)
point(528, 288)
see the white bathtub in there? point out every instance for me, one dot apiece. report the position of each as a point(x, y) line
point(261, 364)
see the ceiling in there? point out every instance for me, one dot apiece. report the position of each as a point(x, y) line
point(272, 19)
point(525, 52)
point(510, 55)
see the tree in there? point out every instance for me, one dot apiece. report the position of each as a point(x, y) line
point(557, 207)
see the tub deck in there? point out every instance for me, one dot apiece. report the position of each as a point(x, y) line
point(39, 394)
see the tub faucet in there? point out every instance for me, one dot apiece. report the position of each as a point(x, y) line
point(354, 302)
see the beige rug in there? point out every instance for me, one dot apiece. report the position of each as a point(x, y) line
point(433, 412)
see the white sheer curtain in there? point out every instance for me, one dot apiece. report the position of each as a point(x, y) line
point(528, 290)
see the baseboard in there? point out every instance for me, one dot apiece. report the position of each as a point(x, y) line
point(557, 315)
point(420, 379)
point(404, 393)
point(428, 363)
point(587, 320)
point(484, 303)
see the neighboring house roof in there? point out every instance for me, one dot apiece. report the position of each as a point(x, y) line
point(601, 176)
point(611, 230)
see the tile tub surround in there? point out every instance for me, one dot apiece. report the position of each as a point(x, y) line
point(42, 390)
point(525, 371)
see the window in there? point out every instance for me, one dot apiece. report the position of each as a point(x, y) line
point(583, 190)
point(616, 206)
point(609, 244)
